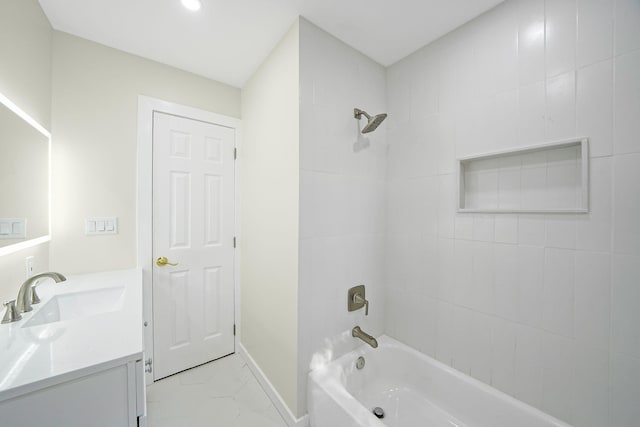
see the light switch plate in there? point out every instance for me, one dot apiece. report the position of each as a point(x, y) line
point(13, 228)
point(101, 226)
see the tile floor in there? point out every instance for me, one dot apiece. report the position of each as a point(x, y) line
point(222, 393)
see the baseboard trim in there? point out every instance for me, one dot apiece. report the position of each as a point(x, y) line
point(273, 395)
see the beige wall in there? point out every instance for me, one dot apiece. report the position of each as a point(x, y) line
point(25, 78)
point(269, 246)
point(95, 98)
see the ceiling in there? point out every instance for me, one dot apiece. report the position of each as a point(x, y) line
point(228, 39)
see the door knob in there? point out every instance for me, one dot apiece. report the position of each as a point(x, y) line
point(162, 261)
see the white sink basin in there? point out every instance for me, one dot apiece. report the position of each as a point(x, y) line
point(77, 305)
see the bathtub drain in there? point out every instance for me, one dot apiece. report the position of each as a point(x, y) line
point(378, 412)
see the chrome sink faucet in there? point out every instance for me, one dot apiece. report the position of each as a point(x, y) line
point(27, 294)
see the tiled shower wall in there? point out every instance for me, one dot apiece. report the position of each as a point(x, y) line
point(543, 307)
point(342, 205)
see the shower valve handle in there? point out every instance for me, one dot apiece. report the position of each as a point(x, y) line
point(357, 298)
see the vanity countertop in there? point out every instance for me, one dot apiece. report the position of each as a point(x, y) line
point(38, 356)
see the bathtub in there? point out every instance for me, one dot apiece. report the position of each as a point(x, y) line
point(414, 390)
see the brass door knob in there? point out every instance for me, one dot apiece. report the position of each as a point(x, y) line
point(162, 261)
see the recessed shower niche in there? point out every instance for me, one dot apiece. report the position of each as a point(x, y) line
point(546, 178)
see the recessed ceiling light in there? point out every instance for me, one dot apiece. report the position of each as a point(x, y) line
point(193, 5)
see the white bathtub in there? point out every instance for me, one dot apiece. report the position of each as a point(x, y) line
point(414, 390)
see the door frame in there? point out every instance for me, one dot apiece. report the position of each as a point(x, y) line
point(144, 207)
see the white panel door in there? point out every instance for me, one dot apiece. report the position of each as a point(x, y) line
point(193, 227)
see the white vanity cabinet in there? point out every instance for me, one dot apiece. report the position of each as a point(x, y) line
point(108, 398)
point(77, 359)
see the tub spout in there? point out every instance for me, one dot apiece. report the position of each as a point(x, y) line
point(359, 333)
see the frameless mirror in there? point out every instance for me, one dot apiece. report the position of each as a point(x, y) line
point(24, 179)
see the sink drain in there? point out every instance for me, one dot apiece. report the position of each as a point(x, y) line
point(378, 412)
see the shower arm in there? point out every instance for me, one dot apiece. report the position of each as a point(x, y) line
point(358, 113)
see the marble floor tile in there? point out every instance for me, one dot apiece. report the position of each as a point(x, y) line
point(222, 393)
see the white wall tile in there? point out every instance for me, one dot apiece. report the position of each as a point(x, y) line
point(552, 306)
point(534, 193)
point(558, 293)
point(501, 41)
point(563, 189)
point(487, 189)
point(560, 33)
point(627, 102)
point(531, 23)
point(428, 327)
point(464, 226)
point(627, 23)
point(592, 300)
point(474, 130)
point(503, 355)
point(561, 106)
point(446, 206)
point(483, 228)
point(594, 228)
point(429, 263)
point(444, 333)
point(528, 373)
point(506, 281)
point(463, 273)
point(531, 282)
point(625, 315)
point(480, 345)
point(561, 231)
point(594, 116)
point(590, 407)
point(506, 119)
point(558, 358)
point(409, 319)
point(399, 206)
point(626, 204)
point(393, 304)
point(531, 230)
point(430, 195)
point(509, 189)
point(446, 269)
point(448, 71)
point(329, 281)
point(595, 31)
point(342, 202)
point(427, 134)
point(506, 229)
point(531, 114)
point(625, 390)
point(461, 342)
point(424, 92)
point(481, 292)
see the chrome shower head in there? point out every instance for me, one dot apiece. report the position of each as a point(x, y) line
point(373, 122)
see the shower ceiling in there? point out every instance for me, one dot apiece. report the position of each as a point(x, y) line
point(228, 39)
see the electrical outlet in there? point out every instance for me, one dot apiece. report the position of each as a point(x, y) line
point(29, 266)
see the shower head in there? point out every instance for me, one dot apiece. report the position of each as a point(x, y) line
point(373, 122)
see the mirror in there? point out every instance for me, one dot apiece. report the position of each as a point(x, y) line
point(24, 179)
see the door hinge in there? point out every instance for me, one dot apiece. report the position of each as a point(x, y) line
point(147, 365)
point(234, 241)
point(234, 329)
point(235, 154)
